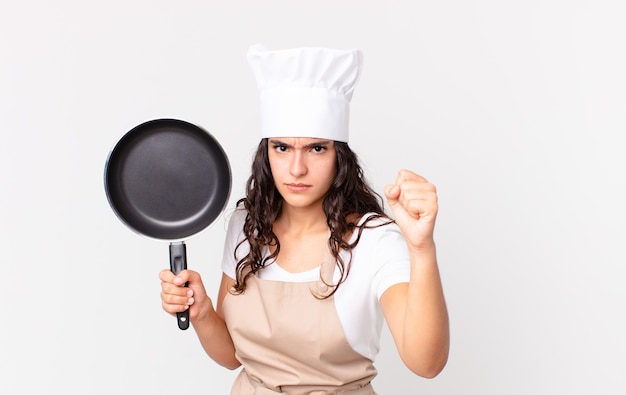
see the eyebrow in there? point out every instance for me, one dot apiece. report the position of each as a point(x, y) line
point(311, 145)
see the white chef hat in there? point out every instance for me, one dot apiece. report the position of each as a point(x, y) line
point(305, 92)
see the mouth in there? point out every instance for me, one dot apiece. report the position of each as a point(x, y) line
point(298, 187)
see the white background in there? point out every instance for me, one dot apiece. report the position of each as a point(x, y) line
point(514, 109)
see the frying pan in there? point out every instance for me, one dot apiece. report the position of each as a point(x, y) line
point(168, 180)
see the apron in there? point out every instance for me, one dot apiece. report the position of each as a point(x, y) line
point(291, 342)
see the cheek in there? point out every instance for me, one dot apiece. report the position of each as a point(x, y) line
point(274, 164)
point(330, 171)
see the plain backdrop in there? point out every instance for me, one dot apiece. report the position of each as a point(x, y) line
point(514, 109)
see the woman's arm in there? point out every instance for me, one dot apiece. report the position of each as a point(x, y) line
point(207, 322)
point(416, 312)
point(417, 317)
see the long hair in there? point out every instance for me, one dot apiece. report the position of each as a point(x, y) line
point(349, 197)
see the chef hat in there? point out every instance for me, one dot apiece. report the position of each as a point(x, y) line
point(305, 92)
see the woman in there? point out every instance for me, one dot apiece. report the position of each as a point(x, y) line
point(312, 266)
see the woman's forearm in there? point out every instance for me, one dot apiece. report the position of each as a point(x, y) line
point(426, 334)
point(215, 339)
point(417, 316)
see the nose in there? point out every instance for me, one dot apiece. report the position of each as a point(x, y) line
point(297, 167)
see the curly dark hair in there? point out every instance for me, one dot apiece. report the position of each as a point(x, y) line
point(349, 198)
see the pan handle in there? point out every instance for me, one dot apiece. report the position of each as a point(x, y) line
point(178, 263)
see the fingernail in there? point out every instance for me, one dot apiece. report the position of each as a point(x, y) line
point(190, 293)
point(190, 301)
point(178, 281)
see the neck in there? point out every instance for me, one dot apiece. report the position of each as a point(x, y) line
point(302, 220)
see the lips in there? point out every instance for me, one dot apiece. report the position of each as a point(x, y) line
point(297, 187)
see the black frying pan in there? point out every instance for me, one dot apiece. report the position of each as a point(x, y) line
point(168, 179)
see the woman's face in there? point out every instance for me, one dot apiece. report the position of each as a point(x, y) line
point(303, 168)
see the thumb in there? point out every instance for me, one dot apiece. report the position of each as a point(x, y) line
point(184, 276)
point(392, 192)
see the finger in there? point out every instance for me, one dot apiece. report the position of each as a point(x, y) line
point(177, 298)
point(182, 277)
point(421, 207)
point(407, 175)
point(417, 193)
point(168, 276)
point(392, 192)
point(173, 289)
point(417, 190)
point(174, 308)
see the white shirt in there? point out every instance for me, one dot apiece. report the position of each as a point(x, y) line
point(380, 260)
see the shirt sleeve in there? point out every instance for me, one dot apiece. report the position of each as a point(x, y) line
point(234, 235)
point(390, 259)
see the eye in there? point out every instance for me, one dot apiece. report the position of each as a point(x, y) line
point(319, 148)
point(280, 147)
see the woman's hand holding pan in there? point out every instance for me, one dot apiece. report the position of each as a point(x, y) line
point(176, 297)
